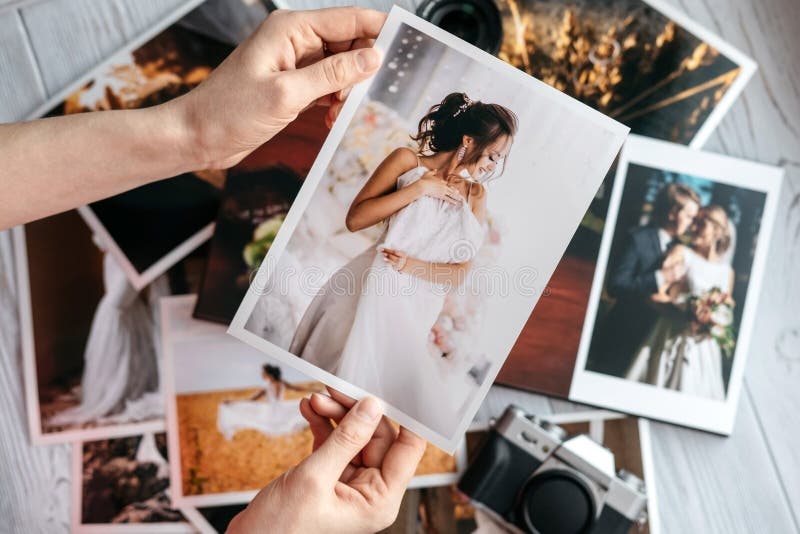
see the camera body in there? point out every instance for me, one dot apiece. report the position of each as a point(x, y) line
point(530, 475)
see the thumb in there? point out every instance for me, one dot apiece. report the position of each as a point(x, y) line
point(353, 433)
point(330, 75)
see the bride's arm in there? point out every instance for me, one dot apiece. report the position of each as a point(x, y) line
point(380, 199)
point(451, 274)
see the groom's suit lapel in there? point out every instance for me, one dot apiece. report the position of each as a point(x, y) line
point(655, 246)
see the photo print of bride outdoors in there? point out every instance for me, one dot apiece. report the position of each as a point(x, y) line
point(427, 228)
point(234, 423)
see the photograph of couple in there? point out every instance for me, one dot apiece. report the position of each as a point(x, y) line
point(417, 249)
point(677, 276)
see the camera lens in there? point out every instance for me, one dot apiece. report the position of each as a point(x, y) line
point(476, 21)
point(557, 502)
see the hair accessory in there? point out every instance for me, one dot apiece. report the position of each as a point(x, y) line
point(463, 107)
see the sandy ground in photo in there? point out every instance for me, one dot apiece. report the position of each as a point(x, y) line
point(212, 464)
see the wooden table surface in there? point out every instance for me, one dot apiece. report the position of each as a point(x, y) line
point(749, 482)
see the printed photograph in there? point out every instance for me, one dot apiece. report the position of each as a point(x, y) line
point(682, 263)
point(427, 229)
point(643, 63)
point(150, 228)
point(235, 419)
point(255, 200)
point(640, 62)
point(90, 362)
point(122, 483)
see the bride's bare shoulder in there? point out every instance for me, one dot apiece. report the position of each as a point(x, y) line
point(403, 157)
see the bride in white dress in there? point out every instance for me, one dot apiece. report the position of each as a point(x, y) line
point(273, 416)
point(675, 355)
point(370, 324)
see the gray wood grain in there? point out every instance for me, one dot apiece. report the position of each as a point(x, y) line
point(96, 29)
point(745, 483)
point(21, 88)
point(34, 494)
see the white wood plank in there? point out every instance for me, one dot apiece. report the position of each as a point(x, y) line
point(21, 88)
point(773, 373)
point(70, 36)
point(34, 494)
point(143, 14)
point(711, 484)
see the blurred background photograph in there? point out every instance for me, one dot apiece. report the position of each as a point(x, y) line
point(678, 272)
point(122, 485)
point(91, 366)
point(256, 197)
point(149, 228)
point(642, 63)
point(235, 421)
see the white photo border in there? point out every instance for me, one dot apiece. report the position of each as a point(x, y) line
point(76, 507)
point(397, 17)
point(173, 441)
point(748, 66)
point(139, 280)
point(645, 399)
point(29, 375)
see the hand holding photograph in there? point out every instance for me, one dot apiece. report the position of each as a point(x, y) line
point(427, 228)
point(234, 422)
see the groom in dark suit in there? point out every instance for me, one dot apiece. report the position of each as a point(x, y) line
point(637, 274)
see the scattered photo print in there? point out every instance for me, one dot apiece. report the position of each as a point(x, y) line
point(124, 482)
point(258, 193)
point(673, 300)
point(149, 228)
point(235, 419)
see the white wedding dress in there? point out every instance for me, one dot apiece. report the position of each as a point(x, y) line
point(370, 324)
point(675, 358)
point(120, 381)
point(272, 416)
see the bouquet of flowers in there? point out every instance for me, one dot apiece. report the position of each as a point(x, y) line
point(711, 313)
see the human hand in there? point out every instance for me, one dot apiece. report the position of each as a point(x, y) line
point(354, 480)
point(395, 258)
point(432, 185)
point(294, 60)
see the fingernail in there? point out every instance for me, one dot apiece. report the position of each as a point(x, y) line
point(367, 59)
point(368, 409)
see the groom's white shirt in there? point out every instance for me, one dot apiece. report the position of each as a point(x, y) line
point(664, 240)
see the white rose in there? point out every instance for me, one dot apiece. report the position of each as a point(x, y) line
point(722, 316)
point(718, 331)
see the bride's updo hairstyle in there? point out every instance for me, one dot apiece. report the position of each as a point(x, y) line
point(443, 127)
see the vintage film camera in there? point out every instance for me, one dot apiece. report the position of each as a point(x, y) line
point(530, 475)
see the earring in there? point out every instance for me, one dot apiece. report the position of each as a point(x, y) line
point(460, 153)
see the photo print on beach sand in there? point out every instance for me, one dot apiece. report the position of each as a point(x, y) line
point(429, 341)
point(122, 485)
point(643, 63)
point(674, 299)
point(89, 338)
point(234, 421)
point(150, 228)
